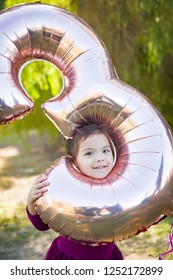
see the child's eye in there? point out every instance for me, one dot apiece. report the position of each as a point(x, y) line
point(88, 154)
point(106, 151)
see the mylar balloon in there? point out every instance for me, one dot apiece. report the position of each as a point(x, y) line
point(138, 191)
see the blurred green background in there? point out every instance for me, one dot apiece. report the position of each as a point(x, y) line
point(138, 35)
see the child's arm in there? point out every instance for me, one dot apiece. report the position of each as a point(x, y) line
point(37, 221)
point(38, 188)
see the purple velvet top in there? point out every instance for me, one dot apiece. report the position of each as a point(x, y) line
point(63, 248)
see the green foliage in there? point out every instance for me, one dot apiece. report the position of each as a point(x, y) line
point(41, 76)
point(70, 5)
point(138, 35)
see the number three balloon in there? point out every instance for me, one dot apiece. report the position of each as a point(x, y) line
point(138, 191)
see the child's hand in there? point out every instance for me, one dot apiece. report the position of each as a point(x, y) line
point(38, 188)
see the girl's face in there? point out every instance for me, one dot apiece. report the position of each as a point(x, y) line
point(95, 158)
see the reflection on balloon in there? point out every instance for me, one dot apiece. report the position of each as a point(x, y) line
point(138, 191)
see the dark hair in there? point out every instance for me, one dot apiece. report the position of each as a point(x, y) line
point(82, 133)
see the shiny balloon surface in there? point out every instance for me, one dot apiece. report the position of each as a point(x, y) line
point(138, 191)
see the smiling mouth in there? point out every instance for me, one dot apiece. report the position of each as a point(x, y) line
point(100, 167)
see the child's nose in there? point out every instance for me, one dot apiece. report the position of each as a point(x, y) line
point(100, 158)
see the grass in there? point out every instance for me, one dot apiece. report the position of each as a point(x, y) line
point(151, 243)
point(19, 240)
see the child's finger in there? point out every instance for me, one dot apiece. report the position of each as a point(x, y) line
point(43, 190)
point(36, 196)
point(40, 178)
point(39, 193)
point(43, 184)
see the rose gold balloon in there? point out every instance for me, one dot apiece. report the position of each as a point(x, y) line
point(138, 191)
